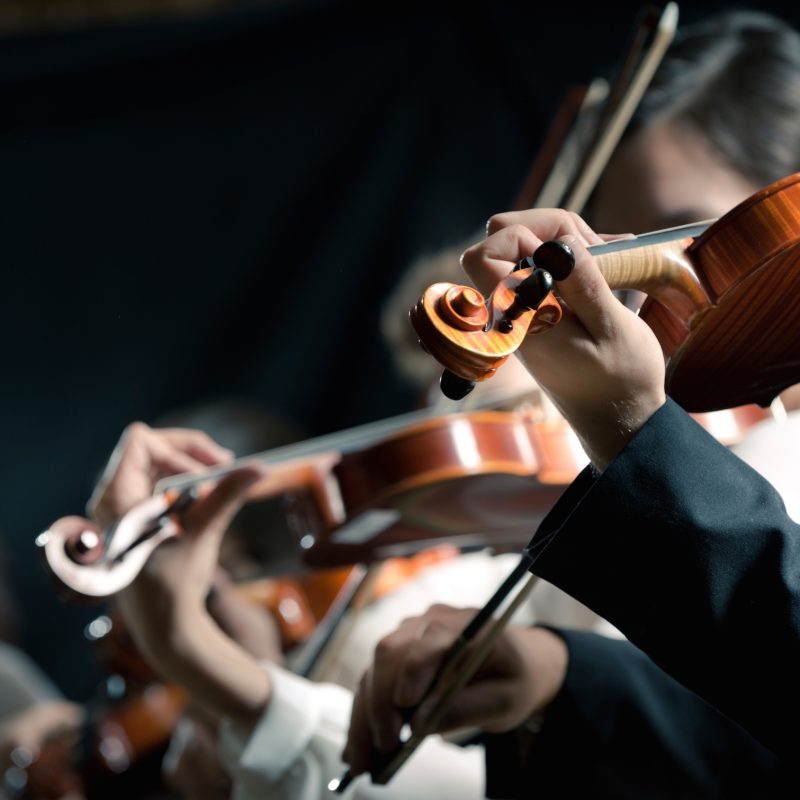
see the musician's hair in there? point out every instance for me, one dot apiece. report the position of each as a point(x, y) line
point(735, 78)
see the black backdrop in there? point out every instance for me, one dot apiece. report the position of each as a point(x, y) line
point(216, 208)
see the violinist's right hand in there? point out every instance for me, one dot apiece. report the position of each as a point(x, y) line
point(521, 676)
point(602, 365)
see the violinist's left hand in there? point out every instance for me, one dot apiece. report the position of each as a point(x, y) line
point(165, 606)
point(601, 365)
point(520, 677)
point(142, 456)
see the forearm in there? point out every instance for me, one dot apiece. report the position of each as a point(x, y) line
point(218, 673)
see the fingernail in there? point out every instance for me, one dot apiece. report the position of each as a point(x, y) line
point(545, 319)
point(547, 316)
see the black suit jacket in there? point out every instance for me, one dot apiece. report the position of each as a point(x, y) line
point(621, 728)
point(691, 554)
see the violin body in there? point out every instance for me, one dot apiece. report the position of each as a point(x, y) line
point(487, 477)
point(740, 344)
point(717, 302)
point(476, 478)
point(117, 753)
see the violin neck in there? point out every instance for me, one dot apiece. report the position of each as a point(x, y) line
point(657, 264)
point(322, 451)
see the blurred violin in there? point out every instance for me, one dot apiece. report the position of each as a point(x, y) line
point(117, 752)
point(131, 720)
point(374, 492)
point(717, 301)
point(129, 726)
point(128, 740)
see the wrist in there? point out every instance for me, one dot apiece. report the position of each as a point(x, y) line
point(218, 673)
point(547, 658)
point(604, 442)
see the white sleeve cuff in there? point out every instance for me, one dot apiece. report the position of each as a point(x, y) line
point(298, 711)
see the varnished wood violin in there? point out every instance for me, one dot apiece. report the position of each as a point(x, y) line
point(130, 722)
point(719, 301)
point(378, 491)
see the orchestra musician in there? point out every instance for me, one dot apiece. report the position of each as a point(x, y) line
point(696, 562)
point(672, 163)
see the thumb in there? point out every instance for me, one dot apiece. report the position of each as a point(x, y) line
point(220, 505)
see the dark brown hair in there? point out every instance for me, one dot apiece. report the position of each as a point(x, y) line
point(735, 77)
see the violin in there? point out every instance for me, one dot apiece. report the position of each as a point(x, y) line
point(716, 301)
point(580, 140)
point(382, 490)
point(122, 742)
point(130, 723)
point(123, 739)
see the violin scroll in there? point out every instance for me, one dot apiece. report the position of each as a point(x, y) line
point(470, 336)
point(86, 562)
point(718, 302)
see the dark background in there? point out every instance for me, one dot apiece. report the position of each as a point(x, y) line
point(215, 207)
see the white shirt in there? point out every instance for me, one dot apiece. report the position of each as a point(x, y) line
point(294, 751)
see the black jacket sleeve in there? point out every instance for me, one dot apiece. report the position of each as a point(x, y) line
point(622, 728)
point(691, 554)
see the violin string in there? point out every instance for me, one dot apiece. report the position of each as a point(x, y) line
point(341, 441)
